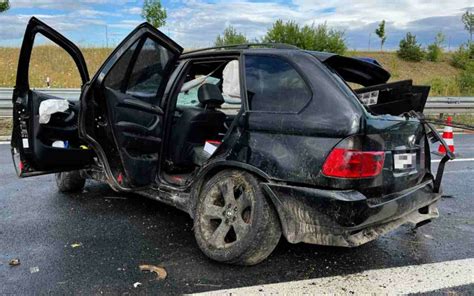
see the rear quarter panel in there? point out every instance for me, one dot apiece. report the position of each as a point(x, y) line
point(293, 146)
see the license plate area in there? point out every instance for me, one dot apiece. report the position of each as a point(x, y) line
point(404, 161)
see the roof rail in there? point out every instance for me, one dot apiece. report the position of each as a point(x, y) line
point(246, 46)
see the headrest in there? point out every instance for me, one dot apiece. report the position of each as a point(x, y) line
point(210, 95)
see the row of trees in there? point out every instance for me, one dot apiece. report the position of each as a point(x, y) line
point(321, 37)
point(310, 37)
point(410, 49)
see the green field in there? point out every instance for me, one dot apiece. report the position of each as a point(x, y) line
point(51, 61)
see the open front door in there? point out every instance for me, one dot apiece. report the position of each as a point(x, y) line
point(52, 145)
point(122, 115)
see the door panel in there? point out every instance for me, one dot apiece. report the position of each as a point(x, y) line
point(32, 143)
point(125, 99)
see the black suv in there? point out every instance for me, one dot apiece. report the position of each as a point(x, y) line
point(253, 141)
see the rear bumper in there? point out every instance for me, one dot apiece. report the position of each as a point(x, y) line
point(348, 218)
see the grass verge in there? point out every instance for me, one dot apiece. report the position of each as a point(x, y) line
point(5, 126)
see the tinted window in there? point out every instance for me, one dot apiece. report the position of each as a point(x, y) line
point(143, 79)
point(148, 69)
point(274, 85)
point(116, 76)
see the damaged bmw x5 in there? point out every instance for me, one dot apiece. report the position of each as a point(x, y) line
point(254, 142)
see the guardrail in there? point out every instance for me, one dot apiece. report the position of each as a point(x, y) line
point(6, 97)
point(435, 105)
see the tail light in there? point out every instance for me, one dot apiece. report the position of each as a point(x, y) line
point(353, 164)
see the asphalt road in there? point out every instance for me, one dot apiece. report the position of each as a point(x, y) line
point(116, 233)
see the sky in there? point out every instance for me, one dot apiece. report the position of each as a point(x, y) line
point(196, 23)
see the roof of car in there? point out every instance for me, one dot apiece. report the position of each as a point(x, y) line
point(237, 49)
point(362, 71)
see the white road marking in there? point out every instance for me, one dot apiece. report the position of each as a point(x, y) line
point(393, 281)
point(459, 172)
point(454, 160)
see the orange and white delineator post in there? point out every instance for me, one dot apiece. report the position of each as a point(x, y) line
point(448, 137)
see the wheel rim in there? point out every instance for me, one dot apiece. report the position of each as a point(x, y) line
point(227, 213)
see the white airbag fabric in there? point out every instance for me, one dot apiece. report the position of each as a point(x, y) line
point(231, 81)
point(49, 107)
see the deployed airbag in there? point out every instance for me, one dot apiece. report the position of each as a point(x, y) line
point(50, 107)
point(231, 83)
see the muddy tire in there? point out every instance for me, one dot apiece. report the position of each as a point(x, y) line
point(70, 181)
point(234, 222)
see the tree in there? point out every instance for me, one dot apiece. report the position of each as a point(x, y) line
point(310, 37)
point(4, 5)
point(435, 50)
point(466, 79)
point(463, 55)
point(154, 13)
point(230, 37)
point(410, 49)
point(281, 32)
point(468, 20)
point(380, 31)
point(323, 38)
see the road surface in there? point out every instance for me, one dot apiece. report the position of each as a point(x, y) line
point(93, 243)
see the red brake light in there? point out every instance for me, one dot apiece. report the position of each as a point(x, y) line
point(353, 164)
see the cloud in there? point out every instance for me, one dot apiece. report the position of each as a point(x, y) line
point(126, 24)
point(195, 23)
point(64, 4)
point(132, 10)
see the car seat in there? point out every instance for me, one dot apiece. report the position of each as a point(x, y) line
point(196, 125)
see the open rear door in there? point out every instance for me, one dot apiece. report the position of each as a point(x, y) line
point(122, 108)
point(52, 146)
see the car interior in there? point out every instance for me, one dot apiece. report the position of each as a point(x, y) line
point(206, 105)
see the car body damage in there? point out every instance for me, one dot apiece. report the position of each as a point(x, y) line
point(347, 218)
point(247, 139)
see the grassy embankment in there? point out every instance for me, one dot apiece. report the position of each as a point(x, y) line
point(50, 61)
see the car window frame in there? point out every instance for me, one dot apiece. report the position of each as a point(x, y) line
point(292, 64)
point(188, 62)
point(119, 51)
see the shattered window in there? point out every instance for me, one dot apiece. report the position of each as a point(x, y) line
point(273, 85)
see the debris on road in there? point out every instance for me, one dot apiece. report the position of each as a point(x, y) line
point(137, 284)
point(447, 196)
point(115, 197)
point(160, 271)
point(34, 269)
point(14, 262)
point(207, 285)
point(76, 245)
